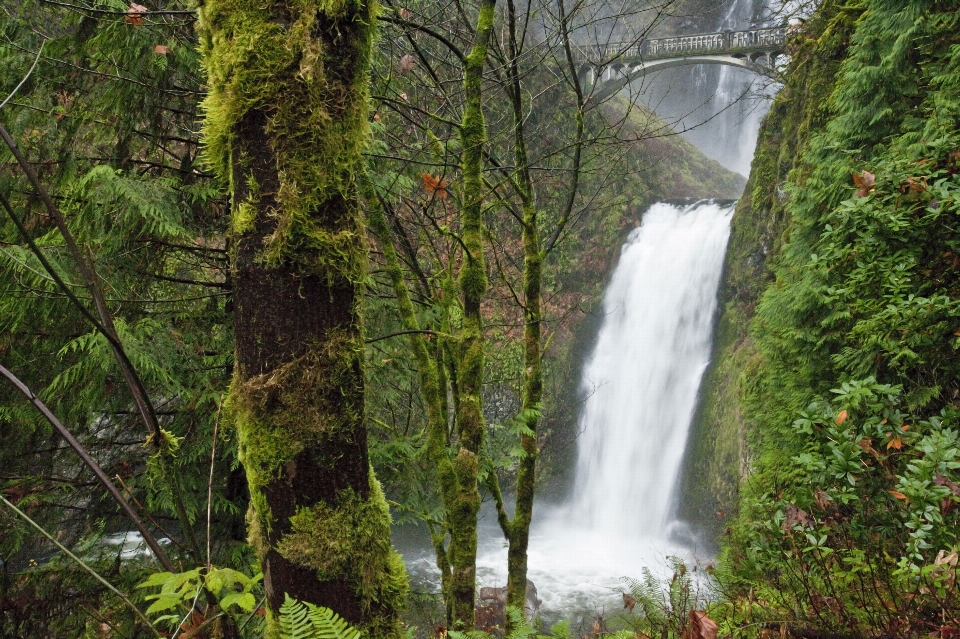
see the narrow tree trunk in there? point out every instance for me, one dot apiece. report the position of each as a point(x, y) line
point(286, 121)
point(473, 286)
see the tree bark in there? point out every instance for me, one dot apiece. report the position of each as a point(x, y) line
point(286, 121)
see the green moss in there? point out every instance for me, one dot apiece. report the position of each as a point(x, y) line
point(314, 99)
point(351, 540)
point(278, 413)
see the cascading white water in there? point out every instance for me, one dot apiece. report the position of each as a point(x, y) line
point(643, 377)
point(641, 381)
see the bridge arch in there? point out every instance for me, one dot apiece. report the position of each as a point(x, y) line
point(611, 78)
point(754, 50)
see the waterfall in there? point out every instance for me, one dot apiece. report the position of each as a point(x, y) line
point(642, 379)
point(641, 385)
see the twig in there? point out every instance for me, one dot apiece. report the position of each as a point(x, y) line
point(383, 337)
point(213, 454)
point(254, 613)
point(95, 467)
point(82, 564)
point(29, 73)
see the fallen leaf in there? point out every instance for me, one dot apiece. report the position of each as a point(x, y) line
point(135, 14)
point(795, 516)
point(701, 626)
point(629, 602)
point(842, 417)
point(898, 495)
point(822, 499)
point(895, 442)
point(946, 559)
point(161, 49)
point(864, 182)
point(406, 14)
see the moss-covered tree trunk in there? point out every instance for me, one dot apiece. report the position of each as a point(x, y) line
point(462, 515)
point(517, 531)
point(286, 121)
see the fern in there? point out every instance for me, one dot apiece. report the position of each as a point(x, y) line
point(299, 620)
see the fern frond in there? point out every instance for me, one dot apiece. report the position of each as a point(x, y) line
point(299, 620)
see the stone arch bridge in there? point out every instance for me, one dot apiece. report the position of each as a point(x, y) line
point(605, 70)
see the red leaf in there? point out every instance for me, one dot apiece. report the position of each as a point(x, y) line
point(842, 417)
point(864, 182)
point(435, 184)
point(899, 495)
point(135, 14)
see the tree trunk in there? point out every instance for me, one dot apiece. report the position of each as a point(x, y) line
point(286, 121)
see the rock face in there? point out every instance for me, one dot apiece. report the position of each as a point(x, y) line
point(717, 456)
point(492, 608)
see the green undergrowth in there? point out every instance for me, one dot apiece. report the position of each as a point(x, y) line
point(834, 393)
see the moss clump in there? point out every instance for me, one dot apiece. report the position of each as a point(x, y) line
point(351, 541)
point(278, 413)
point(303, 65)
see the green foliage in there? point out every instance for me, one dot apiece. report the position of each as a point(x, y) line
point(109, 124)
point(179, 592)
point(849, 374)
point(662, 608)
point(299, 620)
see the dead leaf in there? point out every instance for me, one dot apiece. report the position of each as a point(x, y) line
point(435, 185)
point(899, 495)
point(629, 602)
point(946, 559)
point(135, 14)
point(940, 480)
point(406, 14)
point(701, 626)
point(842, 417)
point(867, 445)
point(161, 49)
point(795, 516)
point(895, 442)
point(822, 499)
point(406, 64)
point(864, 182)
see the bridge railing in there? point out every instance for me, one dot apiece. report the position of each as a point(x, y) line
point(769, 39)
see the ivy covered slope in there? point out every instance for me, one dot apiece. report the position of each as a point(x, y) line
point(846, 377)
